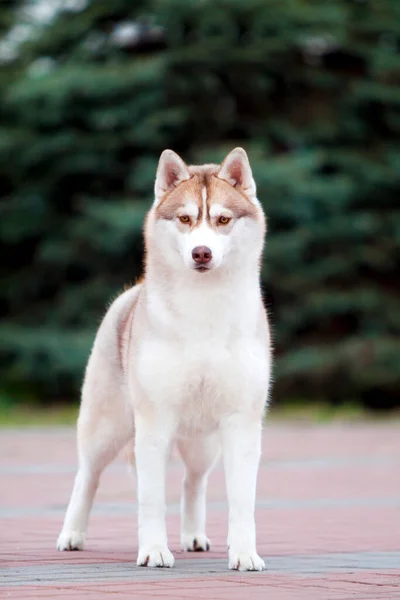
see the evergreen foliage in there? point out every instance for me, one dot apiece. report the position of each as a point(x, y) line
point(310, 88)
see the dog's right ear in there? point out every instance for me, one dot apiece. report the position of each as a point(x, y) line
point(170, 173)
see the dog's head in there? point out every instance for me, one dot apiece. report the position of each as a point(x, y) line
point(205, 217)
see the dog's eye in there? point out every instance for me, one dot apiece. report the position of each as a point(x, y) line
point(223, 220)
point(184, 219)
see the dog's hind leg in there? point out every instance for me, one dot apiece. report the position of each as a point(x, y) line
point(103, 428)
point(199, 456)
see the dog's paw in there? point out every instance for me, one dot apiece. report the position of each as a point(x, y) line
point(245, 561)
point(155, 557)
point(195, 543)
point(71, 540)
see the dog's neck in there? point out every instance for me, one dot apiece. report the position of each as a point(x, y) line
point(203, 301)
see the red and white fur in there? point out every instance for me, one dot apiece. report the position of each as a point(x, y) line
point(184, 356)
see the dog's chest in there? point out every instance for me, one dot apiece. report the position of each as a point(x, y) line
point(202, 379)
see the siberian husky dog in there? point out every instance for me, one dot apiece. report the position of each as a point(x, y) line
point(184, 356)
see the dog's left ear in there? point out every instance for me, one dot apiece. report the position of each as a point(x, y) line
point(170, 173)
point(236, 170)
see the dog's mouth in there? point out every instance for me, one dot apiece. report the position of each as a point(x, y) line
point(202, 269)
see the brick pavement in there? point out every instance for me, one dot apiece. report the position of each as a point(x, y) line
point(328, 515)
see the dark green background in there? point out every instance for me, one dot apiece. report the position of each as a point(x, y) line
point(311, 89)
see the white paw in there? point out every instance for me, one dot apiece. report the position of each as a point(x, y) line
point(245, 561)
point(71, 540)
point(195, 543)
point(155, 557)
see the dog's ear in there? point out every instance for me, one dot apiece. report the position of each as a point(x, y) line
point(236, 170)
point(170, 173)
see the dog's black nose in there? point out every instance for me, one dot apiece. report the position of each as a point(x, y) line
point(201, 255)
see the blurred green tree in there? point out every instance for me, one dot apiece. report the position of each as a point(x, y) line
point(93, 91)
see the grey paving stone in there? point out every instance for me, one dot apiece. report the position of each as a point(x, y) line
point(309, 565)
point(117, 509)
point(308, 463)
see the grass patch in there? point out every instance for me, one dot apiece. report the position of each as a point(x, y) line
point(31, 415)
point(323, 412)
point(34, 416)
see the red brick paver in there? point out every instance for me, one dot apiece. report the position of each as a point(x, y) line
point(328, 515)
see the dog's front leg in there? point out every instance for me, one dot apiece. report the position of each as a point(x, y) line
point(152, 443)
point(241, 446)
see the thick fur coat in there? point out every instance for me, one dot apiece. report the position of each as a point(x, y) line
point(184, 356)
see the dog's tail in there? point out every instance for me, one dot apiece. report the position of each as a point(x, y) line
point(128, 454)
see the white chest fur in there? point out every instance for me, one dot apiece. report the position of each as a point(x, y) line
point(205, 355)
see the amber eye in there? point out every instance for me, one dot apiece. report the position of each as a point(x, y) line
point(223, 220)
point(184, 219)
